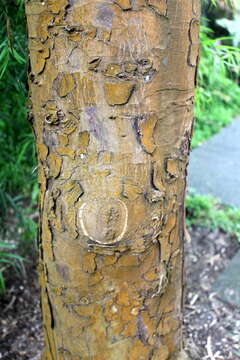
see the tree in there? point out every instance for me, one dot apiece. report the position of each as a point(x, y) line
point(112, 91)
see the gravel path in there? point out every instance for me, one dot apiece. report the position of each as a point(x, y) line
point(214, 166)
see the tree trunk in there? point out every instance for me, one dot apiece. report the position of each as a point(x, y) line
point(112, 89)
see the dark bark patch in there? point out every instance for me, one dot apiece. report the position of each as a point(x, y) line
point(63, 271)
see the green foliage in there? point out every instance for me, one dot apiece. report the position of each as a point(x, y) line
point(230, 3)
point(9, 260)
point(217, 95)
point(13, 34)
point(18, 225)
point(17, 157)
point(207, 211)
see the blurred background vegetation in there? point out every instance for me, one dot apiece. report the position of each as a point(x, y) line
point(217, 102)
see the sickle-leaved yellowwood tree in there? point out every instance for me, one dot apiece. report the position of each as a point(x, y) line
point(112, 92)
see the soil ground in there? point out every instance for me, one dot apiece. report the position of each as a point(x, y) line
point(211, 327)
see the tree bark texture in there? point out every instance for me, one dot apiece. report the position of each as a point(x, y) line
point(112, 91)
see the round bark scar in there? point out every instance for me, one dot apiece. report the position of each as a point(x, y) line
point(104, 220)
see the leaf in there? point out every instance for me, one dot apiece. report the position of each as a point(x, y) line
point(18, 57)
point(2, 283)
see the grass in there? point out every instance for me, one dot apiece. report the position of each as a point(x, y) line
point(208, 211)
point(8, 259)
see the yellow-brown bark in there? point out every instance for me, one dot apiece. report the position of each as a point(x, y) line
point(112, 88)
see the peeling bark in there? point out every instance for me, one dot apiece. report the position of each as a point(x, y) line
point(112, 89)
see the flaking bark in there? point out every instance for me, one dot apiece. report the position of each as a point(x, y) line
point(112, 89)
